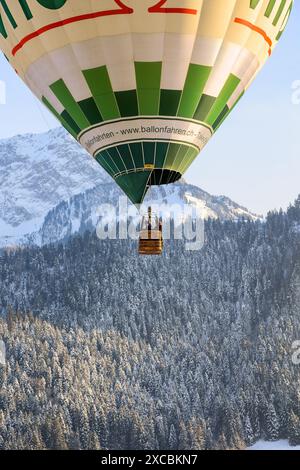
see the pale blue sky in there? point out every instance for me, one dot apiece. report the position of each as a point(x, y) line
point(255, 156)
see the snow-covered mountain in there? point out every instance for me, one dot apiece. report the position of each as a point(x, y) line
point(50, 188)
point(37, 172)
point(273, 445)
point(81, 212)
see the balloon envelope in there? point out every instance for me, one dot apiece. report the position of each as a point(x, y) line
point(141, 84)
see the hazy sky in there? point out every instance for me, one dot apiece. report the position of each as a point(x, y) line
point(255, 156)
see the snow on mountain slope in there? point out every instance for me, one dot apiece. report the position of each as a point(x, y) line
point(37, 171)
point(274, 445)
point(50, 188)
point(81, 212)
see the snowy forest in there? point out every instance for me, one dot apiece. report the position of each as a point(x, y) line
point(193, 350)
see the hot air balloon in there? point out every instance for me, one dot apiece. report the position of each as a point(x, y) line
point(141, 84)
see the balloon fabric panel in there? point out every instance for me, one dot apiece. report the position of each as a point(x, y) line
point(142, 84)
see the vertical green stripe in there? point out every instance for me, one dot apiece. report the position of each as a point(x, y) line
point(117, 158)
point(148, 76)
point(229, 111)
point(60, 118)
point(69, 120)
point(127, 102)
point(188, 159)
point(179, 158)
point(194, 85)
point(160, 154)
point(137, 154)
point(10, 18)
point(114, 160)
point(169, 102)
point(90, 110)
point(101, 159)
point(127, 157)
point(221, 117)
point(26, 9)
point(284, 22)
point(149, 152)
point(279, 13)
point(205, 105)
point(254, 3)
point(101, 89)
point(171, 155)
point(270, 8)
point(63, 94)
point(226, 92)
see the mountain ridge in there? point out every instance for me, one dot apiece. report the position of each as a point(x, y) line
point(47, 176)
